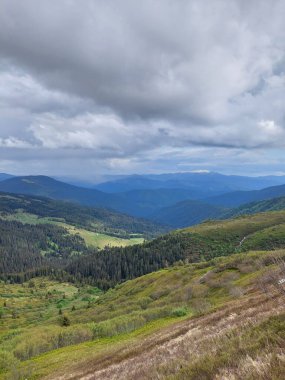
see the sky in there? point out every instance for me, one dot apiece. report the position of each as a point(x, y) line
point(120, 86)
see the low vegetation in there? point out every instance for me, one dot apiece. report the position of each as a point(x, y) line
point(42, 316)
point(68, 310)
point(204, 242)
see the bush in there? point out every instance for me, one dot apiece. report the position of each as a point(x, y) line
point(179, 312)
point(65, 321)
point(117, 326)
point(7, 361)
point(201, 305)
point(160, 293)
point(49, 339)
point(144, 302)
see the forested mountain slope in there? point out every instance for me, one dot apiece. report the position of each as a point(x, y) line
point(110, 266)
point(273, 204)
point(91, 218)
point(145, 202)
point(202, 242)
point(136, 202)
point(238, 198)
point(187, 213)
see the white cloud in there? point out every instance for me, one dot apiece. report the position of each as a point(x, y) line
point(13, 142)
point(125, 81)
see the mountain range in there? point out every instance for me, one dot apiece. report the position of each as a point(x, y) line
point(201, 184)
point(69, 308)
point(197, 197)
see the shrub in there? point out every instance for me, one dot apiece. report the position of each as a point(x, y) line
point(117, 326)
point(65, 321)
point(201, 305)
point(7, 360)
point(179, 312)
point(144, 302)
point(160, 293)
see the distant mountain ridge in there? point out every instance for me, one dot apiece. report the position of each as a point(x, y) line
point(138, 203)
point(205, 183)
point(274, 204)
point(49, 187)
point(162, 205)
point(4, 176)
point(237, 198)
point(187, 213)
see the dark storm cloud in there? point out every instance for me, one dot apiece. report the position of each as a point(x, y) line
point(114, 80)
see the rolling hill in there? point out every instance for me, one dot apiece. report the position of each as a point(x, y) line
point(162, 205)
point(138, 202)
point(112, 265)
point(51, 188)
point(237, 198)
point(40, 235)
point(187, 213)
point(144, 203)
point(274, 204)
point(265, 231)
point(200, 284)
point(33, 209)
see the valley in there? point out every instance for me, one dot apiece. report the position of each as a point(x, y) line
point(142, 190)
point(90, 293)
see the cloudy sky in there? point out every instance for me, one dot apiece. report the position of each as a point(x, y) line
point(123, 86)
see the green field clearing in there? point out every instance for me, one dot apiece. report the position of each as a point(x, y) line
point(99, 240)
point(92, 239)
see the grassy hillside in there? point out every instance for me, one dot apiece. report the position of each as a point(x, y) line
point(59, 245)
point(56, 329)
point(194, 244)
point(50, 329)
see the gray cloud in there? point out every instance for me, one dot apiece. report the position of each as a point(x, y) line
point(117, 83)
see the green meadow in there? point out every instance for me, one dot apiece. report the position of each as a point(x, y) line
point(47, 325)
point(91, 238)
